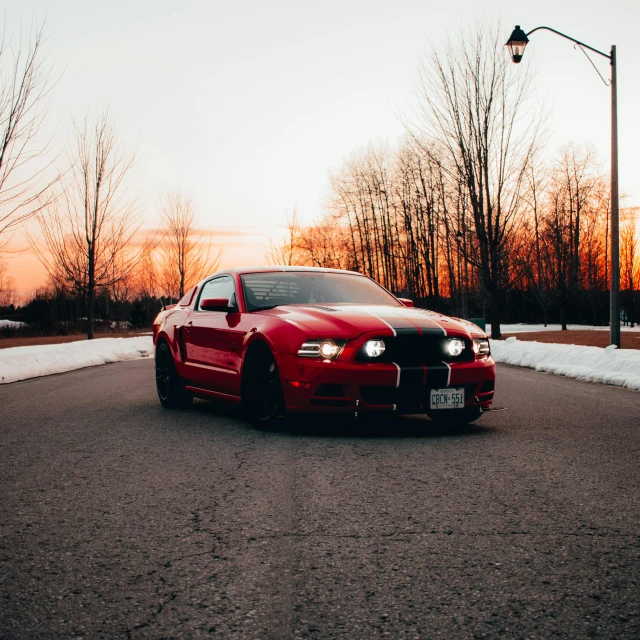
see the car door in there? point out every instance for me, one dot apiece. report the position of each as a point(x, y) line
point(208, 344)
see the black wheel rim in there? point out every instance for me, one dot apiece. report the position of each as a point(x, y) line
point(163, 374)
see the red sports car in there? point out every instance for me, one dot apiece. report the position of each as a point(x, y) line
point(299, 339)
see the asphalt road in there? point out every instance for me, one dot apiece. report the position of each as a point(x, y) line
point(121, 519)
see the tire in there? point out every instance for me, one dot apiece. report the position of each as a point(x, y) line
point(454, 417)
point(262, 396)
point(170, 389)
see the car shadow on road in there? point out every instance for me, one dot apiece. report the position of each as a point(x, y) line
point(367, 426)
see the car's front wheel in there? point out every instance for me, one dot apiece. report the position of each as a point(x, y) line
point(171, 392)
point(262, 395)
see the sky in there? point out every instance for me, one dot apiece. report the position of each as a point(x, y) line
point(249, 105)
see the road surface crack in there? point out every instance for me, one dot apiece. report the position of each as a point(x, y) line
point(154, 614)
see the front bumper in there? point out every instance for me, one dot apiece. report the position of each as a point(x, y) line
point(349, 387)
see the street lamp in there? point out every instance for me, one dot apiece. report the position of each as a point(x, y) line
point(516, 45)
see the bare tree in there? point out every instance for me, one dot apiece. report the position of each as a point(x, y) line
point(25, 82)
point(7, 286)
point(385, 216)
point(89, 229)
point(288, 252)
point(630, 258)
point(572, 228)
point(186, 252)
point(327, 244)
point(471, 108)
point(145, 276)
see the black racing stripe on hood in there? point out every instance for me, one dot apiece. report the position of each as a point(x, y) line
point(427, 324)
point(405, 331)
point(401, 325)
point(410, 325)
point(437, 331)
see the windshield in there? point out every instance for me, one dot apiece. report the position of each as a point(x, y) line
point(268, 290)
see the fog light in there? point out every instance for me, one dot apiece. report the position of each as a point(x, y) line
point(298, 384)
point(374, 348)
point(455, 347)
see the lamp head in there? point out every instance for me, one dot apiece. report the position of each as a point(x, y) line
point(517, 43)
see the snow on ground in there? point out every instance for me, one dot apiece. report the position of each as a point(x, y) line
point(620, 367)
point(20, 363)
point(523, 328)
point(11, 324)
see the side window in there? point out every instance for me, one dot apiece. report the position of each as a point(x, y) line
point(221, 287)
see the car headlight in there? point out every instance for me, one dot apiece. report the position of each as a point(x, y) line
point(481, 347)
point(455, 347)
point(374, 348)
point(327, 349)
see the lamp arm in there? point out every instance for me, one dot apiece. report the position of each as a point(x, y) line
point(581, 44)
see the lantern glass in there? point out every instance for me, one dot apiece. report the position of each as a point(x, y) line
point(517, 43)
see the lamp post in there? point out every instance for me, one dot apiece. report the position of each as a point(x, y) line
point(516, 44)
point(461, 279)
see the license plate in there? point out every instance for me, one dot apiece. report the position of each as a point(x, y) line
point(446, 399)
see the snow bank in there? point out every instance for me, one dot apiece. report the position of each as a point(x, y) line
point(523, 328)
point(20, 363)
point(619, 367)
point(11, 324)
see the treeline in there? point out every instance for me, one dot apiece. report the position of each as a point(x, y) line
point(53, 311)
point(466, 215)
point(395, 217)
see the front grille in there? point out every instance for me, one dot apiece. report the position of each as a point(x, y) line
point(420, 349)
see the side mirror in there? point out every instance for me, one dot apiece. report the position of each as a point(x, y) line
point(216, 304)
point(406, 302)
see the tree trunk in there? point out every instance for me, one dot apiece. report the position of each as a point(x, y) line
point(90, 295)
point(495, 315)
point(563, 317)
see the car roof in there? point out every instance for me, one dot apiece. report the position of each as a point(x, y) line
point(277, 269)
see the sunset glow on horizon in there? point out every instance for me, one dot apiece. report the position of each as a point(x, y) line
point(241, 247)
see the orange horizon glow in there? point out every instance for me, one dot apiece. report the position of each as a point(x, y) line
point(241, 247)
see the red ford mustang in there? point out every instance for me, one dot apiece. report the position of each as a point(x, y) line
point(299, 339)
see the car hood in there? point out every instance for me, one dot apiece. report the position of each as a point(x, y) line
point(351, 320)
